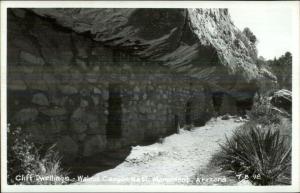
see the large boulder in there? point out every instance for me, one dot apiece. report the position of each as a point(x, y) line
point(282, 99)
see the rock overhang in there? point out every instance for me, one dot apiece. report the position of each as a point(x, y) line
point(201, 43)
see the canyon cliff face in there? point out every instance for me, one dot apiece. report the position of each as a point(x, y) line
point(203, 43)
point(97, 79)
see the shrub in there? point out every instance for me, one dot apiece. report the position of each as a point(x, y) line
point(24, 158)
point(249, 34)
point(262, 113)
point(261, 148)
point(282, 68)
point(262, 154)
point(250, 45)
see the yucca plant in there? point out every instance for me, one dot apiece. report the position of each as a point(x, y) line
point(256, 152)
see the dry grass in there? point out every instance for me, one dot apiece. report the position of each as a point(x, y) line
point(24, 158)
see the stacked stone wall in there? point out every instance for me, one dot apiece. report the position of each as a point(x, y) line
point(59, 90)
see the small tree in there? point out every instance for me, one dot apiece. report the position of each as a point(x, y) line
point(249, 34)
point(282, 68)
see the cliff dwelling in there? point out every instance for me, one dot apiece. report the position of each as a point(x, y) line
point(93, 87)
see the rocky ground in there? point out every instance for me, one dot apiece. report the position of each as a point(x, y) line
point(173, 160)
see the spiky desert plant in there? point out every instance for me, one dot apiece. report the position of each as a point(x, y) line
point(256, 152)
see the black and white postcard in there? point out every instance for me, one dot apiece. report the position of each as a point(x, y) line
point(149, 96)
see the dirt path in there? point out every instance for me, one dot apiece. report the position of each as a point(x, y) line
point(174, 161)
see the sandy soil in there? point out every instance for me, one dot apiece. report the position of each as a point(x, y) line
point(175, 160)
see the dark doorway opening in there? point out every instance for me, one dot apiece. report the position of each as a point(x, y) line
point(176, 121)
point(217, 98)
point(114, 122)
point(244, 105)
point(188, 113)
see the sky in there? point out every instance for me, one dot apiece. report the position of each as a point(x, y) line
point(271, 26)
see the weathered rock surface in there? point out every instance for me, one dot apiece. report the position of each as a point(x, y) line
point(68, 90)
point(282, 99)
point(203, 43)
point(40, 99)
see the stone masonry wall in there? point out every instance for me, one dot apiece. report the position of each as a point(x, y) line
point(61, 85)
